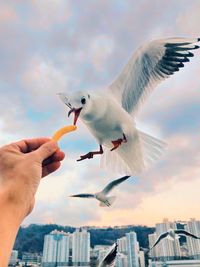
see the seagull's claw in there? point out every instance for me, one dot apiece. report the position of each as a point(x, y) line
point(118, 142)
point(86, 156)
point(90, 155)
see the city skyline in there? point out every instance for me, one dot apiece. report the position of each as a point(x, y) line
point(54, 46)
point(185, 252)
point(64, 248)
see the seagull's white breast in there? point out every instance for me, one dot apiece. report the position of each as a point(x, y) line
point(100, 196)
point(110, 125)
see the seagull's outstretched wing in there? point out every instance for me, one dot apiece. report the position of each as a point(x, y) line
point(151, 64)
point(109, 257)
point(83, 195)
point(183, 232)
point(159, 239)
point(114, 183)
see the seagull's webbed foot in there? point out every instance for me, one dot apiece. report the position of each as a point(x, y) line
point(90, 155)
point(118, 142)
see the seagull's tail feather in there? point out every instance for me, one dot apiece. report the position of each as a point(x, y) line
point(170, 238)
point(110, 201)
point(133, 157)
point(152, 148)
point(102, 204)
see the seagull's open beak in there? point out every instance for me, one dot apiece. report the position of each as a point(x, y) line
point(76, 113)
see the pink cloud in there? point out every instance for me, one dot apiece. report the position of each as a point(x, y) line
point(188, 22)
point(48, 13)
point(7, 14)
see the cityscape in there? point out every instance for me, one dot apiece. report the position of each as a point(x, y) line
point(74, 249)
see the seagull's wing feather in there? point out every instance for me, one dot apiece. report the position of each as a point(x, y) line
point(64, 99)
point(151, 64)
point(159, 239)
point(83, 195)
point(114, 183)
point(183, 232)
point(109, 257)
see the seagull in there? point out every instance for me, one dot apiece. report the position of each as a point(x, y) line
point(109, 258)
point(174, 234)
point(102, 195)
point(109, 113)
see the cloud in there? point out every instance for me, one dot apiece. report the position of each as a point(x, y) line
point(179, 167)
point(49, 13)
point(100, 49)
point(55, 205)
point(52, 46)
point(43, 80)
point(7, 14)
point(189, 20)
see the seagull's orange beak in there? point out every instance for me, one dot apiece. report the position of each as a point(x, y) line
point(76, 113)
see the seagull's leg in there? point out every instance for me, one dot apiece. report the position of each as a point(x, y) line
point(118, 142)
point(91, 154)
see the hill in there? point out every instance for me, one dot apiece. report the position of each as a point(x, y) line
point(31, 238)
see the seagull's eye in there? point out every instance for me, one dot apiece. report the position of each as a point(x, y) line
point(83, 100)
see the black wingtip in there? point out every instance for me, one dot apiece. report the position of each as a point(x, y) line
point(198, 39)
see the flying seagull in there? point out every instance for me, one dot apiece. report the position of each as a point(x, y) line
point(105, 201)
point(109, 258)
point(173, 234)
point(109, 114)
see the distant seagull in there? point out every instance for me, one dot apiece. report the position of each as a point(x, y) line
point(102, 195)
point(109, 258)
point(110, 114)
point(174, 234)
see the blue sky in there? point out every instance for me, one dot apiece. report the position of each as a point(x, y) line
point(53, 46)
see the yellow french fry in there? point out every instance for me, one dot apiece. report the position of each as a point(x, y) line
point(63, 131)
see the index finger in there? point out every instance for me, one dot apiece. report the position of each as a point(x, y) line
point(28, 145)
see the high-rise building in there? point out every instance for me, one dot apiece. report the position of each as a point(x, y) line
point(132, 249)
point(141, 259)
point(154, 252)
point(175, 263)
point(31, 258)
point(13, 257)
point(167, 249)
point(56, 249)
point(193, 245)
point(98, 252)
point(122, 245)
point(128, 252)
point(121, 260)
point(81, 247)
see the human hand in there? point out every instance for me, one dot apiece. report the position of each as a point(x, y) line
point(22, 165)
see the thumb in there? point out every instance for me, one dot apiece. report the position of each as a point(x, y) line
point(46, 150)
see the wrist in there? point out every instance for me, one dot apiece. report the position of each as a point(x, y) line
point(13, 211)
point(11, 218)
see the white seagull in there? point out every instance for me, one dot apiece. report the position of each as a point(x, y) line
point(110, 256)
point(173, 234)
point(105, 201)
point(109, 114)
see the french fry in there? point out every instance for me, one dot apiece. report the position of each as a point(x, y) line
point(63, 131)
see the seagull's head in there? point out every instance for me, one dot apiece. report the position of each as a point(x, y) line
point(171, 231)
point(79, 104)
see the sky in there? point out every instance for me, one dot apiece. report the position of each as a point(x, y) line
point(53, 46)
